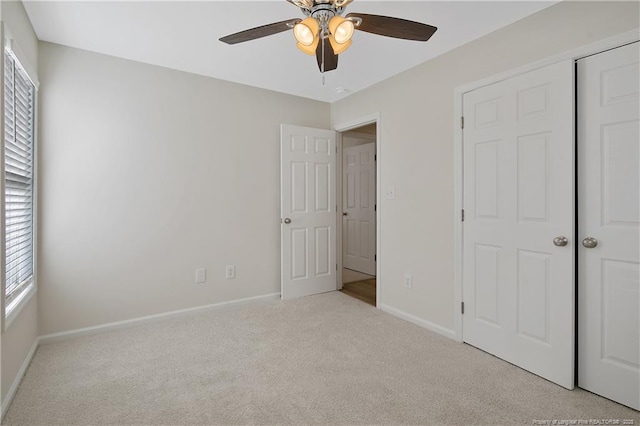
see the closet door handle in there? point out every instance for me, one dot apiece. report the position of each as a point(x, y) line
point(590, 242)
point(561, 241)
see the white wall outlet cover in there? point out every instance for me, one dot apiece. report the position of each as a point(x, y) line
point(408, 280)
point(201, 276)
point(230, 272)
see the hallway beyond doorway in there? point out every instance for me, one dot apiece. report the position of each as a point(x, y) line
point(360, 286)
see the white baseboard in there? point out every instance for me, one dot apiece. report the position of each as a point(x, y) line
point(64, 335)
point(444, 331)
point(16, 382)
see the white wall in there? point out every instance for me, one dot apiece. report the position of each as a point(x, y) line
point(147, 174)
point(22, 333)
point(417, 123)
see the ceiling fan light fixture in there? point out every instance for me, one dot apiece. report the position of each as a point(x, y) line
point(306, 31)
point(341, 29)
point(338, 48)
point(325, 23)
point(309, 50)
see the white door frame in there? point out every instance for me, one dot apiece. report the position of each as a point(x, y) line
point(344, 127)
point(575, 54)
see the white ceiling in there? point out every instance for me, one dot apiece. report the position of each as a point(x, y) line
point(184, 35)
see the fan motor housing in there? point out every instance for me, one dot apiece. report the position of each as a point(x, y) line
point(323, 12)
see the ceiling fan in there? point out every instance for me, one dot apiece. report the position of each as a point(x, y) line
point(325, 33)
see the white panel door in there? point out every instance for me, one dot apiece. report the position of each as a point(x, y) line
point(308, 211)
point(608, 211)
point(518, 286)
point(358, 204)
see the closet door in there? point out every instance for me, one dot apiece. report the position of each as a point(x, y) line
point(608, 220)
point(519, 186)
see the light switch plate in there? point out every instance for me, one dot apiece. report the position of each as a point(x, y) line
point(201, 276)
point(390, 193)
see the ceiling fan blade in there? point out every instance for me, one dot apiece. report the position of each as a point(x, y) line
point(393, 27)
point(330, 60)
point(259, 32)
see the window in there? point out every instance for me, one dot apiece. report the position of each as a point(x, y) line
point(19, 117)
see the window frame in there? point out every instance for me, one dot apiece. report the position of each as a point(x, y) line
point(7, 316)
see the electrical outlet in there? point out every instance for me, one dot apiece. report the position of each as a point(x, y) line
point(230, 272)
point(408, 280)
point(201, 276)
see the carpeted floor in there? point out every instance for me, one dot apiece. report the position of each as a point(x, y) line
point(326, 359)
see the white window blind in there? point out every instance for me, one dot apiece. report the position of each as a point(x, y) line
point(19, 114)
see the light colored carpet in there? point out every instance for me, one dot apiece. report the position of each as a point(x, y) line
point(326, 359)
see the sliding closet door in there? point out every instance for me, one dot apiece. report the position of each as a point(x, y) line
point(608, 223)
point(518, 244)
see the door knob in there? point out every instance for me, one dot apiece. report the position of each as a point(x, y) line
point(561, 241)
point(344, 213)
point(287, 220)
point(589, 242)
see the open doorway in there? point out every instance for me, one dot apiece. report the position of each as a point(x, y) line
point(359, 213)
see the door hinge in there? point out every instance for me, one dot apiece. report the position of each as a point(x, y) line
point(462, 122)
point(462, 215)
point(462, 307)
point(375, 157)
point(336, 266)
point(375, 207)
point(336, 208)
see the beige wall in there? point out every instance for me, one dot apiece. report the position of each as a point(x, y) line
point(17, 22)
point(17, 341)
point(22, 333)
point(147, 174)
point(417, 123)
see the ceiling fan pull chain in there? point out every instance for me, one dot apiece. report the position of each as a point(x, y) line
point(322, 70)
point(322, 64)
